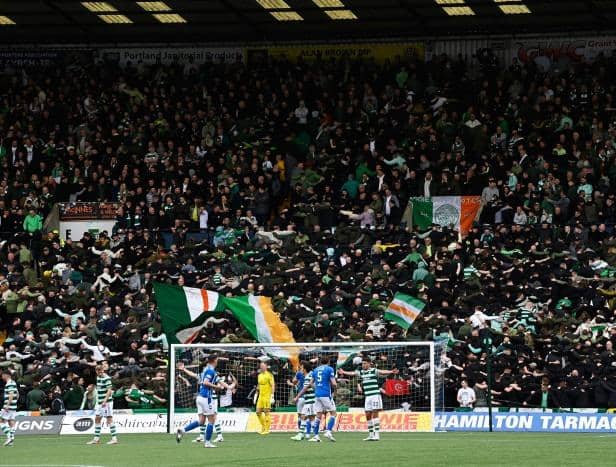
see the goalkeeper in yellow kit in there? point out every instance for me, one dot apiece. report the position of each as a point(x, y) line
point(265, 397)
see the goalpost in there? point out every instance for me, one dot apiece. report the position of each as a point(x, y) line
point(410, 397)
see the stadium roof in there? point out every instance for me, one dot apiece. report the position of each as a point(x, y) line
point(113, 21)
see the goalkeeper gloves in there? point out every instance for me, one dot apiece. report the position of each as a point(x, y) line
point(272, 400)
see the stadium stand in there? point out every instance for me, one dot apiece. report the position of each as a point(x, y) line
point(293, 180)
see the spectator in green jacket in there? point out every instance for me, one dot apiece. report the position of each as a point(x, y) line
point(421, 272)
point(33, 222)
point(74, 393)
point(35, 398)
point(351, 186)
point(29, 274)
point(10, 299)
point(25, 255)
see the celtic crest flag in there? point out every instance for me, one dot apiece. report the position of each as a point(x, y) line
point(457, 212)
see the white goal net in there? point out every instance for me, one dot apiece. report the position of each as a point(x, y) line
point(410, 382)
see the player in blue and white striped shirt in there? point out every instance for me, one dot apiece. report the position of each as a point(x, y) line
point(217, 425)
point(206, 403)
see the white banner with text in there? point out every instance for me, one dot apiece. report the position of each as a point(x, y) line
point(169, 55)
point(232, 422)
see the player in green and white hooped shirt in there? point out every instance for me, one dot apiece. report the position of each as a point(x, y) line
point(104, 406)
point(9, 407)
point(369, 385)
point(307, 393)
point(217, 425)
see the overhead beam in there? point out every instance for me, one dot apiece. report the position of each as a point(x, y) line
point(51, 5)
point(242, 16)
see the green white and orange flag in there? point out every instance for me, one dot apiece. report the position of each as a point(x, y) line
point(457, 212)
point(183, 310)
point(404, 310)
point(257, 315)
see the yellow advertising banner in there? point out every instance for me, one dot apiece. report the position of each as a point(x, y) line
point(352, 421)
point(325, 52)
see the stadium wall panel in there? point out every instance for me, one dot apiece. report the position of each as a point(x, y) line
point(37, 425)
point(238, 422)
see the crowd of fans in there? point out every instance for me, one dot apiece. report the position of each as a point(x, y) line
point(293, 181)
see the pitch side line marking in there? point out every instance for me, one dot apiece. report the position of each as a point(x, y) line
point(51, 465)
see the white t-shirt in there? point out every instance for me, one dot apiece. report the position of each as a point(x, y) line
point(301, 113)
point(226, 398)
point(466, 396)
point(427, 193)
point(203, 219)
point(478, 319)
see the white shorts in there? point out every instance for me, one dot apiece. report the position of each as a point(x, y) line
point(8, 414)
point(374, 402)
point(206, 406)
point(106, 411)
point(300, 405)
point(324, 404)
point(308, 410)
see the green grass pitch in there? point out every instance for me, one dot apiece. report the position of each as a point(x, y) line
point(395, 449)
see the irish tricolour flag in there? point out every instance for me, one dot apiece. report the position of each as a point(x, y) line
point(404, 310)
point(257, 315)
point(458, 212)
point(183, 310)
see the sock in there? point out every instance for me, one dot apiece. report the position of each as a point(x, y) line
point(218, 428)
point(5, 429)
point(299, 423)
point(261, 420)
point(202, 431)
point(191, 426)
point(12, 433)
point(97, 431)
point(268, 421)
point(308, 426)
point(113, 430)
point(377, 426)
point(302, 425)
point(331, 423)
point(370, 427)
point(208, 432)
point(316, 427)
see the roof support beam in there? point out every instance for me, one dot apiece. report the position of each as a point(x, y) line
point(66, 16)
point(244, 18)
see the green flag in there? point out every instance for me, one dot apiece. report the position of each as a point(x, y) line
point(404, 310)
